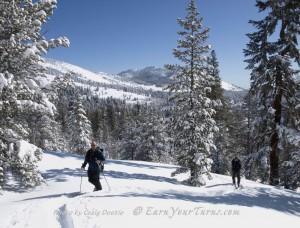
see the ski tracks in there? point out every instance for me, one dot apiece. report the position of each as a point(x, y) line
point(82, 213)
point(54, 212)
point(49, 212)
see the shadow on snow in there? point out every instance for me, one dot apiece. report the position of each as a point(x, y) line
point(69, 195)
point(263, 197)
point(137, 164)
point(64, 155)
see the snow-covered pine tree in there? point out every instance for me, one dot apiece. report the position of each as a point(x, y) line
point(41, 130)
point(111, 117)
point(144, 137)
point(153, 140)
point(130, 136)
point(274, 60)
point(221, 155)
point(79, 127)
point(129, 144)
point(162, 140)
point(217, 92)
point(192, 111)
point(146, 140)
point(97, 121)
point(111, 130)
point(21, 47)
point(59, 87)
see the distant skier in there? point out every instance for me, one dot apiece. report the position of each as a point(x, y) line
point(236, 168)
point(94, 157)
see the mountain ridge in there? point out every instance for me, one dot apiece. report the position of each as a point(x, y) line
point(132, 85)
point(162, 77)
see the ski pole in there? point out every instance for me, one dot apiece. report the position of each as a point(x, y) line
point(104, 176)
point(106, 181)
point(81, 171)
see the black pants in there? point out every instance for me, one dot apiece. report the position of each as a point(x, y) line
point(94, 177)
point(236, 174)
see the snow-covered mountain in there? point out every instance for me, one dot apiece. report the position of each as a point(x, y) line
point(142, 194)
point(132, 85)
point(102, 84)
point(162, 77)
point(148, 75)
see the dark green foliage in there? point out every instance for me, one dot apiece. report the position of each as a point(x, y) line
point(271, 55)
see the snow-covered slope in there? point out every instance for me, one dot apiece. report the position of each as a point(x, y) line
point(132, 85)
point(143, 194)
point(100, 77)
point(148, 75)
point(229, 87)
point(161, 77)
point(102, 84)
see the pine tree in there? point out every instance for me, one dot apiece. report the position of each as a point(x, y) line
point(60, 89)
point(1, 176)
point(21, 47)
point(41, 127)
point(131, 135)
point(79, 127)
point(221, 155)
point(270, 57)
point(96, 119)
point(123, 120)
point(217, 92)
point(129, 144)
point(192, 111)
point(111, 117)
point(153, 140)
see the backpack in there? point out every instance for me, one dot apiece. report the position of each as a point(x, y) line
point(236, 165)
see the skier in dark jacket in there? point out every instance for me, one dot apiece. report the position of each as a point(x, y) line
point(236, 168)
point(94, 157)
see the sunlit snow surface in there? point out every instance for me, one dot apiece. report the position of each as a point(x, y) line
point(142, 194)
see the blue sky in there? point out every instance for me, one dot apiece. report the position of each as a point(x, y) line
point(116, 35)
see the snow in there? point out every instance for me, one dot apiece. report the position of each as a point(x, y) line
point(230, 87)
point(142, 194)
point(48, 1)
point(115, 84)
point(30, 51)
point(51, 107)
point(41, 13)
point(100, 77)
point(3, 82)
point(26, 149)
point(37, 22)
point(48, 107)
point(32, 84)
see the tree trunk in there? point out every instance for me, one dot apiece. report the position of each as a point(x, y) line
point(274, 174)
point(274, 157)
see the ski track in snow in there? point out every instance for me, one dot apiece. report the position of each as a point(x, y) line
point(142, 195)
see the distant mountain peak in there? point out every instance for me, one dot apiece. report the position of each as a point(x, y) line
point(162, 77)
